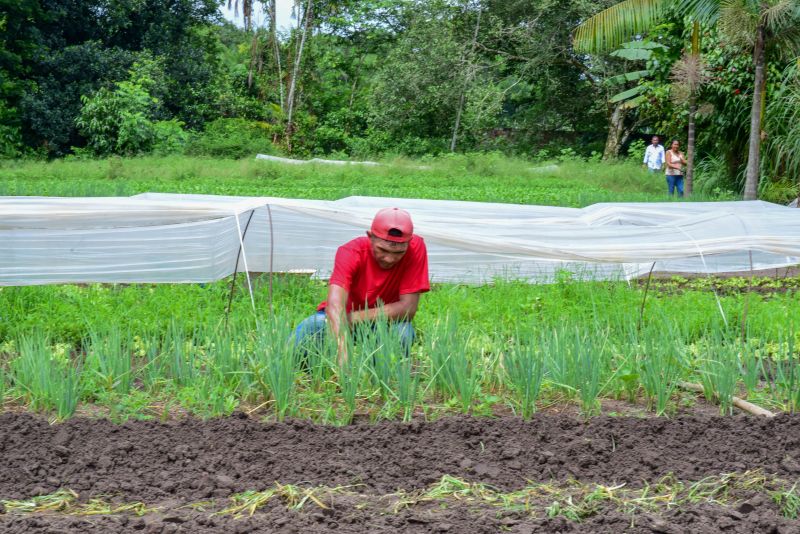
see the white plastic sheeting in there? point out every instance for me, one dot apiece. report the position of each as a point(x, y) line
point(197, 238)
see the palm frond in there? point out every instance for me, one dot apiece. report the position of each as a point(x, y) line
point(611, 27)
point(688, 75)
point(628, 77)
point(633, 54)
point(628, 94)
point(783, 122)
point(704, 11)
point(738, 23)
point(781, 14)
point(633, 102)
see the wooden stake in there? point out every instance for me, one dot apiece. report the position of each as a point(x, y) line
point(739, 403)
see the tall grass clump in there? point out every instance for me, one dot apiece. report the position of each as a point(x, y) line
point(560, 368)
point(393, 369)
point(787, 373)
point(576, 362)
point(659, 354)
point(751, 366)
point(153, 369)
point(455, 366)
point(524, 368)
point(590, 357)
point(274, 364)
point(178, 355)
point(350, 370)
point(225, 362)
point(719, 370)
point(47, 381)
point(108, 360)
point(318, 359)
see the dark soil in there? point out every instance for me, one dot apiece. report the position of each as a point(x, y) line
point(171, 465)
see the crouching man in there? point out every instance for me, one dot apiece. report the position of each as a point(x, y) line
point(381, 275)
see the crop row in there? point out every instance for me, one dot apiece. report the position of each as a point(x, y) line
point(215, 370)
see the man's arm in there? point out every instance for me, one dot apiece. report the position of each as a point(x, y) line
point(403, 310)
point(336, 312)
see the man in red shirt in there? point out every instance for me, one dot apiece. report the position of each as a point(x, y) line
point(381, 275)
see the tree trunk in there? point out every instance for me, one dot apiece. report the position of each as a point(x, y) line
point(255, 54)
point(616, 130)
point(690, 142)
point(754, 152)
point(295, 73)
point(467, 81)
point(690, 145)
point(276, 49)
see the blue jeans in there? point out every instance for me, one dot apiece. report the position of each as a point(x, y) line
point(675, 181)
point(312, 330)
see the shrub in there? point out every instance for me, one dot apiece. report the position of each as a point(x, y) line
point(233, 138)
point(169, 137)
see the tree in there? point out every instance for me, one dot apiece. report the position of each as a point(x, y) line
point(758, 23)
point(631, 97)
point(120, 120)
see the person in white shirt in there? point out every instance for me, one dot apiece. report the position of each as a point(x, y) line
point(654, 155)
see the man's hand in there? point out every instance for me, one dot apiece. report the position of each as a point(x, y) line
point(403, 310)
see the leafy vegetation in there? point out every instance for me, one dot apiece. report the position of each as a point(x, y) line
point(350, 80)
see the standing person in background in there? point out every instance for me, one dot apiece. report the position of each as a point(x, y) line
point(674, 168)
point(654, 155)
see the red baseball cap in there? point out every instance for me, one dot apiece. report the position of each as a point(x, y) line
point(393, 224)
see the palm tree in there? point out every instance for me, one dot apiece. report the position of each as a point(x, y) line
point(754, 23)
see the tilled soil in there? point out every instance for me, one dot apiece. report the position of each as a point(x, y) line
point(175, 464)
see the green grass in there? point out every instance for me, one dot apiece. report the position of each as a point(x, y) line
point(490, 178)
point(580, 342)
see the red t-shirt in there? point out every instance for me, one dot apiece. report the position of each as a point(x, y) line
point(356, 270)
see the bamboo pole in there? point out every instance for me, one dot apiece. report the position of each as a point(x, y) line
point(739, 403)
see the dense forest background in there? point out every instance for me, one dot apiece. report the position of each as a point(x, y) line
point(371, 78)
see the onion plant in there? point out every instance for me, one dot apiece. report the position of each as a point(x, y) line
point(108, 359)
point(274, 364)
point(441, 346)
point(660, 364)
point(49, 381)
point(350, 371)
point(560, 368)
point(225, 360)
point(751, 366)
point(152, 371)
point(179, 355)
point(524, 369)
point(318, 360)
point(787, 373)
point(719, 368)
point(393, 370)
point(590, 359)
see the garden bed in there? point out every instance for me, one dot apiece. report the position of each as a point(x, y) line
point(457, 474)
